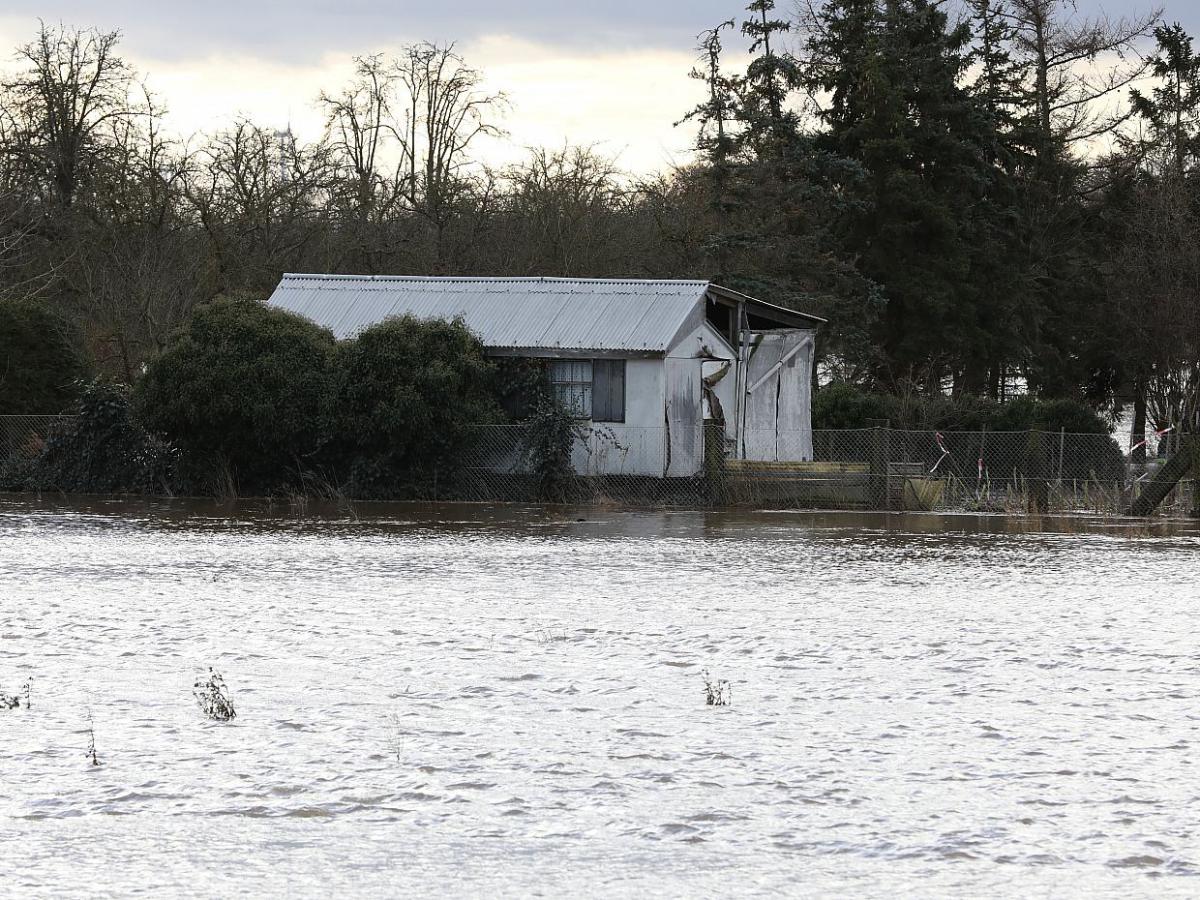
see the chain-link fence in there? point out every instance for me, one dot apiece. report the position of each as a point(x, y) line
point(22, 438)
point(872, 468)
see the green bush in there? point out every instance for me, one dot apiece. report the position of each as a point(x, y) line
point(243, 389)
point(841, 406)
point(41, 359)
point(1048, 415)
point(101, 449)
point(411, 397)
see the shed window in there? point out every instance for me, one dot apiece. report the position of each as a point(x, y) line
point(608, 390)
point(590, 389)
point(572, 380)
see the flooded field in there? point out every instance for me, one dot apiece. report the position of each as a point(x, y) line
point(470, 701)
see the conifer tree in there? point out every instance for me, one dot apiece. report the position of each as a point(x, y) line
point(893, 73)
point(1172, 109)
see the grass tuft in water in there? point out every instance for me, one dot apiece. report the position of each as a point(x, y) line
point(547, 635)
point(717, 693)
point(13, 701)
point(90, 753)
point(396, 738)
point(213, 697)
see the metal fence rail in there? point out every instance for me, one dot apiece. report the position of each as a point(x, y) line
point(872, 468)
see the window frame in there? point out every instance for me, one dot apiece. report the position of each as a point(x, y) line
point(564, 387)
point(578, 393)
point(619, 364)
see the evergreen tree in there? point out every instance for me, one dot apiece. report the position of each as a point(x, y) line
point(717, 112)
point(1007, 300)
point(1172, 109)
point(792, 199)
point(771, 76)
point(897, 105)
point(777, 202)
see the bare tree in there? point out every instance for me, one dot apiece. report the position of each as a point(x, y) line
point(360, 125)
point(261, 200)
point(565, 213)
point(21, 274)
point(445, 111)
point(74, 86)
point(1080, 69)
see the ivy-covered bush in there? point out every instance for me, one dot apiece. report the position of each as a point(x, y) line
point(550, 436)
point(246, 390)
point(411, 397)
point(101, 448)
point(41, 359)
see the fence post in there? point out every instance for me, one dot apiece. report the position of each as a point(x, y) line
point(1195, 447)
point(714, 461)
point(880, 434)
point(1062, 446)
point(1037, 472)
point(980, 465)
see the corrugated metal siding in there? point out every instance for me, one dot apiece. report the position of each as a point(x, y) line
point(505, 313)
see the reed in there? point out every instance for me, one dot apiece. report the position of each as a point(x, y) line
point(90, 753)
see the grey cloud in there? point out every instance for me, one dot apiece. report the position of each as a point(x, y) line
point(304, 30)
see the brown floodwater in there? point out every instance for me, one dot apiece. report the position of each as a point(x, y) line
point(460, 699)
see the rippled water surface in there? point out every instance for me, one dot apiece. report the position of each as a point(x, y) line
point(468, 701)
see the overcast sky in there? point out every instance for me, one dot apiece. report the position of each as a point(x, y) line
point(606, 72)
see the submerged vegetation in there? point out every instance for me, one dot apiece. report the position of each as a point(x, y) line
point(213, 696)
point(90, 753)
point(717, 692)
point(13, 701)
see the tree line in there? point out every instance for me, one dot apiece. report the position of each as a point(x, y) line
point(984, 197)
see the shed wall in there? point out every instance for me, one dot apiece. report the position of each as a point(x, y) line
point(778, 405)
point(636, 446)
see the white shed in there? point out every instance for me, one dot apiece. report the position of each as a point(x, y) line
point(647, 363)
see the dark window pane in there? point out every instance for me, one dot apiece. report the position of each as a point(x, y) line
point(608, 390)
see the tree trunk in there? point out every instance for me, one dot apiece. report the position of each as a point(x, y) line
point(1177, 468)
point(1138, 435)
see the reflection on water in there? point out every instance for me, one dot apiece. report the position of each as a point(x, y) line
point(469, 699)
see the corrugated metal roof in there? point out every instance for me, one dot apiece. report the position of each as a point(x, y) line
point(505, 313)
